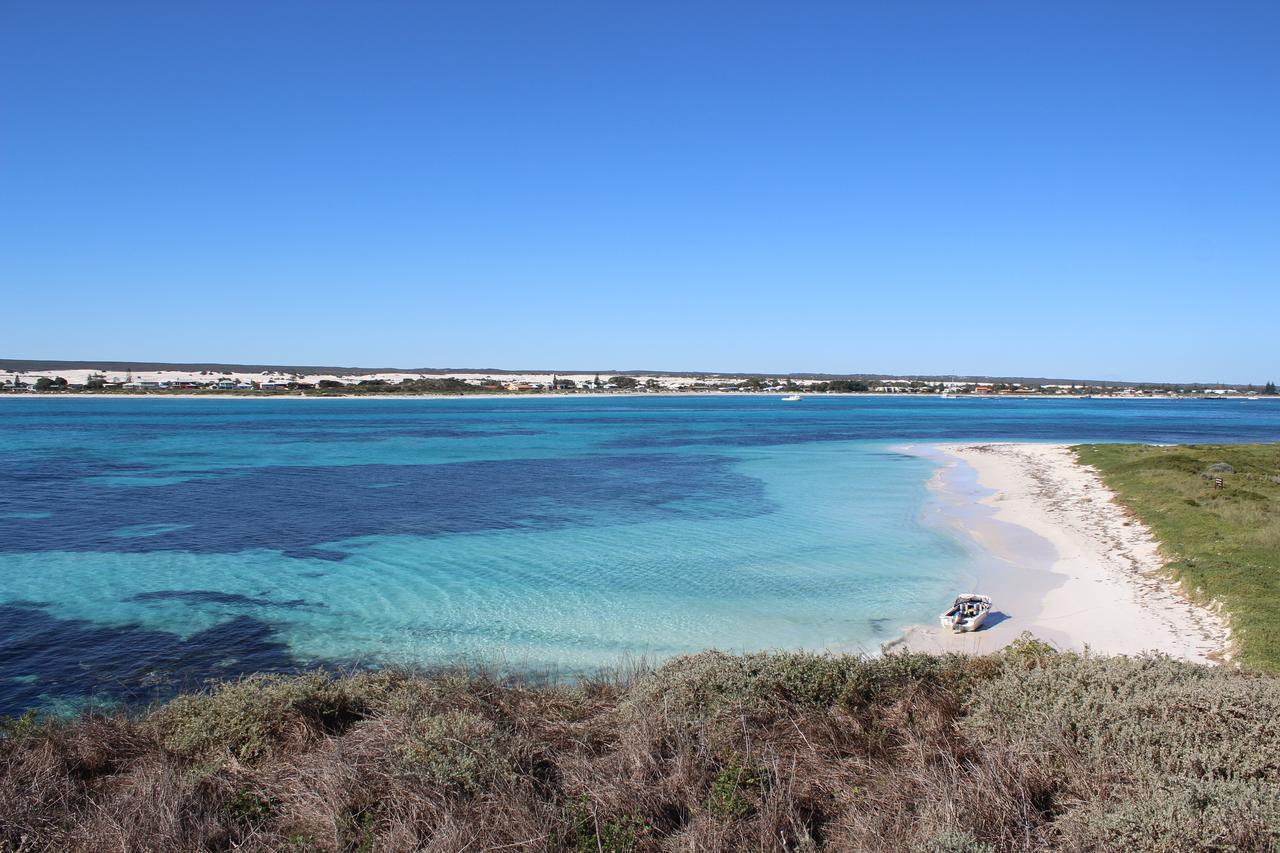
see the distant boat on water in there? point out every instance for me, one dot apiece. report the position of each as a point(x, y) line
point(791, 399)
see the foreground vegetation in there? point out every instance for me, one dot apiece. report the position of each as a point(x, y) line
point(1223, 543)
point(1023, 750)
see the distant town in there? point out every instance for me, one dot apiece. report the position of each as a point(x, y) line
point(245, 380)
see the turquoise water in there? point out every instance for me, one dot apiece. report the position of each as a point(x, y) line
point(146, 544)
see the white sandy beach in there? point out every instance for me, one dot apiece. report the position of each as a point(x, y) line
point(1061, 559)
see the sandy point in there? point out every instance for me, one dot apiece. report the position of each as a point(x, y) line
point(1060, 557)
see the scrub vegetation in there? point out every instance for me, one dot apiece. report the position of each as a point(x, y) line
point(1216, 511)
point(1027, 749)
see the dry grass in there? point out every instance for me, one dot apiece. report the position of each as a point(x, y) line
point(1025, 750)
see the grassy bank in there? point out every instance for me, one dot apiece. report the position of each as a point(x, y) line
point(1222, 543)
point(1025, 750)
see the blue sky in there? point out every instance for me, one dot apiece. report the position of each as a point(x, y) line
point(1073, 189)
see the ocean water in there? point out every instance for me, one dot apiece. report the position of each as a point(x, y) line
point(148, 544)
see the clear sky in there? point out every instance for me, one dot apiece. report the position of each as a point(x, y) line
point(1033, 188)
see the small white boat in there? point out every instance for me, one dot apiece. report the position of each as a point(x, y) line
point(791, 399)
point(968, 613)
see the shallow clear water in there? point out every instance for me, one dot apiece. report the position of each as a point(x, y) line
point(146, 544)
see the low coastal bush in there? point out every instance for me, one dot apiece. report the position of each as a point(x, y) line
point(249, 718)
point(1026, 749)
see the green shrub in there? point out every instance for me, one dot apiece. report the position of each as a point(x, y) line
point(453, 748)
point(587, 834)
point(24, 725)
point(1149, 716)
point(250, 717)
point(1027, 651)
point(727, 798)
point(300, 842)
point(1179, 815)
point(617, 835)
point(713, 681)
point(249, 807)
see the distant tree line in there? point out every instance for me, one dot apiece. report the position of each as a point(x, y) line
point(838, 386)
point(425, 385)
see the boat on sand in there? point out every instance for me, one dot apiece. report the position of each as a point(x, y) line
point(967, 613)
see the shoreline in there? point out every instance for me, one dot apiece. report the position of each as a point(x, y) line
point(233, 395)
point(1060, 558)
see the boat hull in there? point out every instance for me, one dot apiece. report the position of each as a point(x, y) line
point(967, 614)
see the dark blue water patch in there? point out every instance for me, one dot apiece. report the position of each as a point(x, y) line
point(1006, 426)
point(348, 433)
point(211, 596)
point(66, 464)
point(45, 660)
point(296, 509)
point(263, 430)
point(331, 554)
